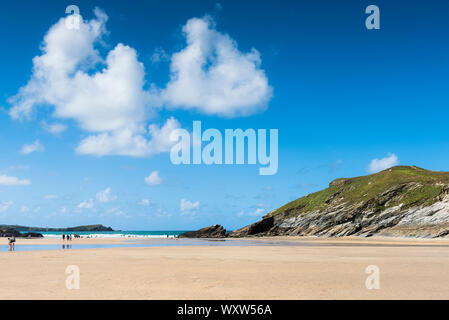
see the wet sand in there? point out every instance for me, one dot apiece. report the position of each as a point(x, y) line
point(323, 269)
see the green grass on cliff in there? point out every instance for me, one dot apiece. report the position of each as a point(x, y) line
point(429, 185)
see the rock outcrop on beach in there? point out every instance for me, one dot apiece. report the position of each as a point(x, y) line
point(401, 201)
point(11, 232)
point(31, 235)
point(215, 231)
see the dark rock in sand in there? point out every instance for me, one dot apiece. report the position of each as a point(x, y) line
point(258, 228)
point(31, 235)
point(9, 232)
point(215, 231)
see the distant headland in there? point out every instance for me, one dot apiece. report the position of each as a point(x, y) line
point(89, 228)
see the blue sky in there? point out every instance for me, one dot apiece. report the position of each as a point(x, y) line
point(340, 95)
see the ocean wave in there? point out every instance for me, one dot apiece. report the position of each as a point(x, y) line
point(111, 235)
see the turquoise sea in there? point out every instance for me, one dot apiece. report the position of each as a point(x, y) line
point(119, 234)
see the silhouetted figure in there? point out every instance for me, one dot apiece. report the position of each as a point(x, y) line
point(11, 241)
point(63, 237)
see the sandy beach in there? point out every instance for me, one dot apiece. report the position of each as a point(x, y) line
point(334, 269)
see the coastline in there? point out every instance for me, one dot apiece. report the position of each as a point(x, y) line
point(417, 270)
point(281, 239)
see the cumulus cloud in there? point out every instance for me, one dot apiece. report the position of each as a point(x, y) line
point(212, 76)
point(127, 143)
point(255, 211)
point(6, 180)
point(16, 167)
point(64, 51)
point(115, 211)
point(159, 55)
point(145, 202)
point(4, 205)
point(109, 99)
point(153, 179)
point(50, 197)
point(106, 196)
point(377, 165)
point(111, 103)
point(89, 204)
point(54, 128)
point(186, 205)
point(36, 146)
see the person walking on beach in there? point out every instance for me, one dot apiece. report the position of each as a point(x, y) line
point(11, 243)
point(63, 237)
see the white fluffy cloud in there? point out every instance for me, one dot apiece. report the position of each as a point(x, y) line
point(212, 76)
point(115, 211)
point(108, 97)
point(54, 128)
point(106, 196)
point(153, 179)
point(377, 165)
point(4, 205)
point(64, 51)
point(145, 202)
point(255, 211)
point(89, 204)
point(111, 103)
point(127, 143)
point(159, 55)
point(6, 180)
point(50, 197)
point(36, 146)
point(187, 205)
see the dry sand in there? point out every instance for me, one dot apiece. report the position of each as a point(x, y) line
point(409, 269)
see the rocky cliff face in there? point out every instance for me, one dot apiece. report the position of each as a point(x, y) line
point(215, 231)
point(401, 201)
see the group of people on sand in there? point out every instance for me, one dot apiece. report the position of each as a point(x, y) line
point(67, 237)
